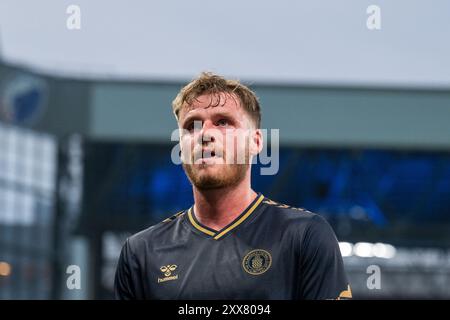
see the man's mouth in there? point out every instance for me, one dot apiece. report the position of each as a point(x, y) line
point(206, 157)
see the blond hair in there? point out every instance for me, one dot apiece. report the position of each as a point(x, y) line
point(209, 83)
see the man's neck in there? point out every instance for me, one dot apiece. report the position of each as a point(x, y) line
point(216, 208)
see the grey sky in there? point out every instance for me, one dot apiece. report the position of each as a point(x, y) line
point(256, 40)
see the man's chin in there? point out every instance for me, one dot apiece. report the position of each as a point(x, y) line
point(208, 177)
point(209, 184)
point(206, 180)
point(213, 176)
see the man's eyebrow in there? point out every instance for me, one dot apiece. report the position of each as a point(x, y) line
point(190, 118)
point(224, 113)
point(230, 116)
point(195, 116)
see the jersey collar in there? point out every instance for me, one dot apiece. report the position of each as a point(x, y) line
point(225, 230)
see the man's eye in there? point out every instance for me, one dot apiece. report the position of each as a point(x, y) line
point(193, 125)
point(190, 126)
point(222, 122)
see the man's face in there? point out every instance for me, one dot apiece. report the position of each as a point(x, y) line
point(218, 140)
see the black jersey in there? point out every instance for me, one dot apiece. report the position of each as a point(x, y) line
point(270, 251)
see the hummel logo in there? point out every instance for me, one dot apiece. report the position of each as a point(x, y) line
point(167, 271)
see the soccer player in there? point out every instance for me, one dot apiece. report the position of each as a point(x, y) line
point(232, 243)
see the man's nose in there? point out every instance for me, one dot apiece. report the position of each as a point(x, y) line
point(206, 134)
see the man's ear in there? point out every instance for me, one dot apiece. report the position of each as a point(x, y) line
point(256, 141)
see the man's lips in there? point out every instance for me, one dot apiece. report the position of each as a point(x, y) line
point(206, 156)
point(212, 160)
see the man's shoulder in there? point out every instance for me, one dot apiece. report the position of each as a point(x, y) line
point(285, 211)
point(292, 216)
point(156, 230)
point(309, 227)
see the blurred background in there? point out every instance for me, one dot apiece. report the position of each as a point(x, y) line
point(86, 120)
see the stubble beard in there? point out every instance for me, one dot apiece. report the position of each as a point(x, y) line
point(229, 175)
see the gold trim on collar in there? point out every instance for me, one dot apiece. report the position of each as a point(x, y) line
point(199, 227)
point(234, 225)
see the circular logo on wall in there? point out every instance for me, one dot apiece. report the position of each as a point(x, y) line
point(22, 99)
point(257, 261)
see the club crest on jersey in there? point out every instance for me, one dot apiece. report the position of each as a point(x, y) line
point(257, 261)
point(167, 271)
